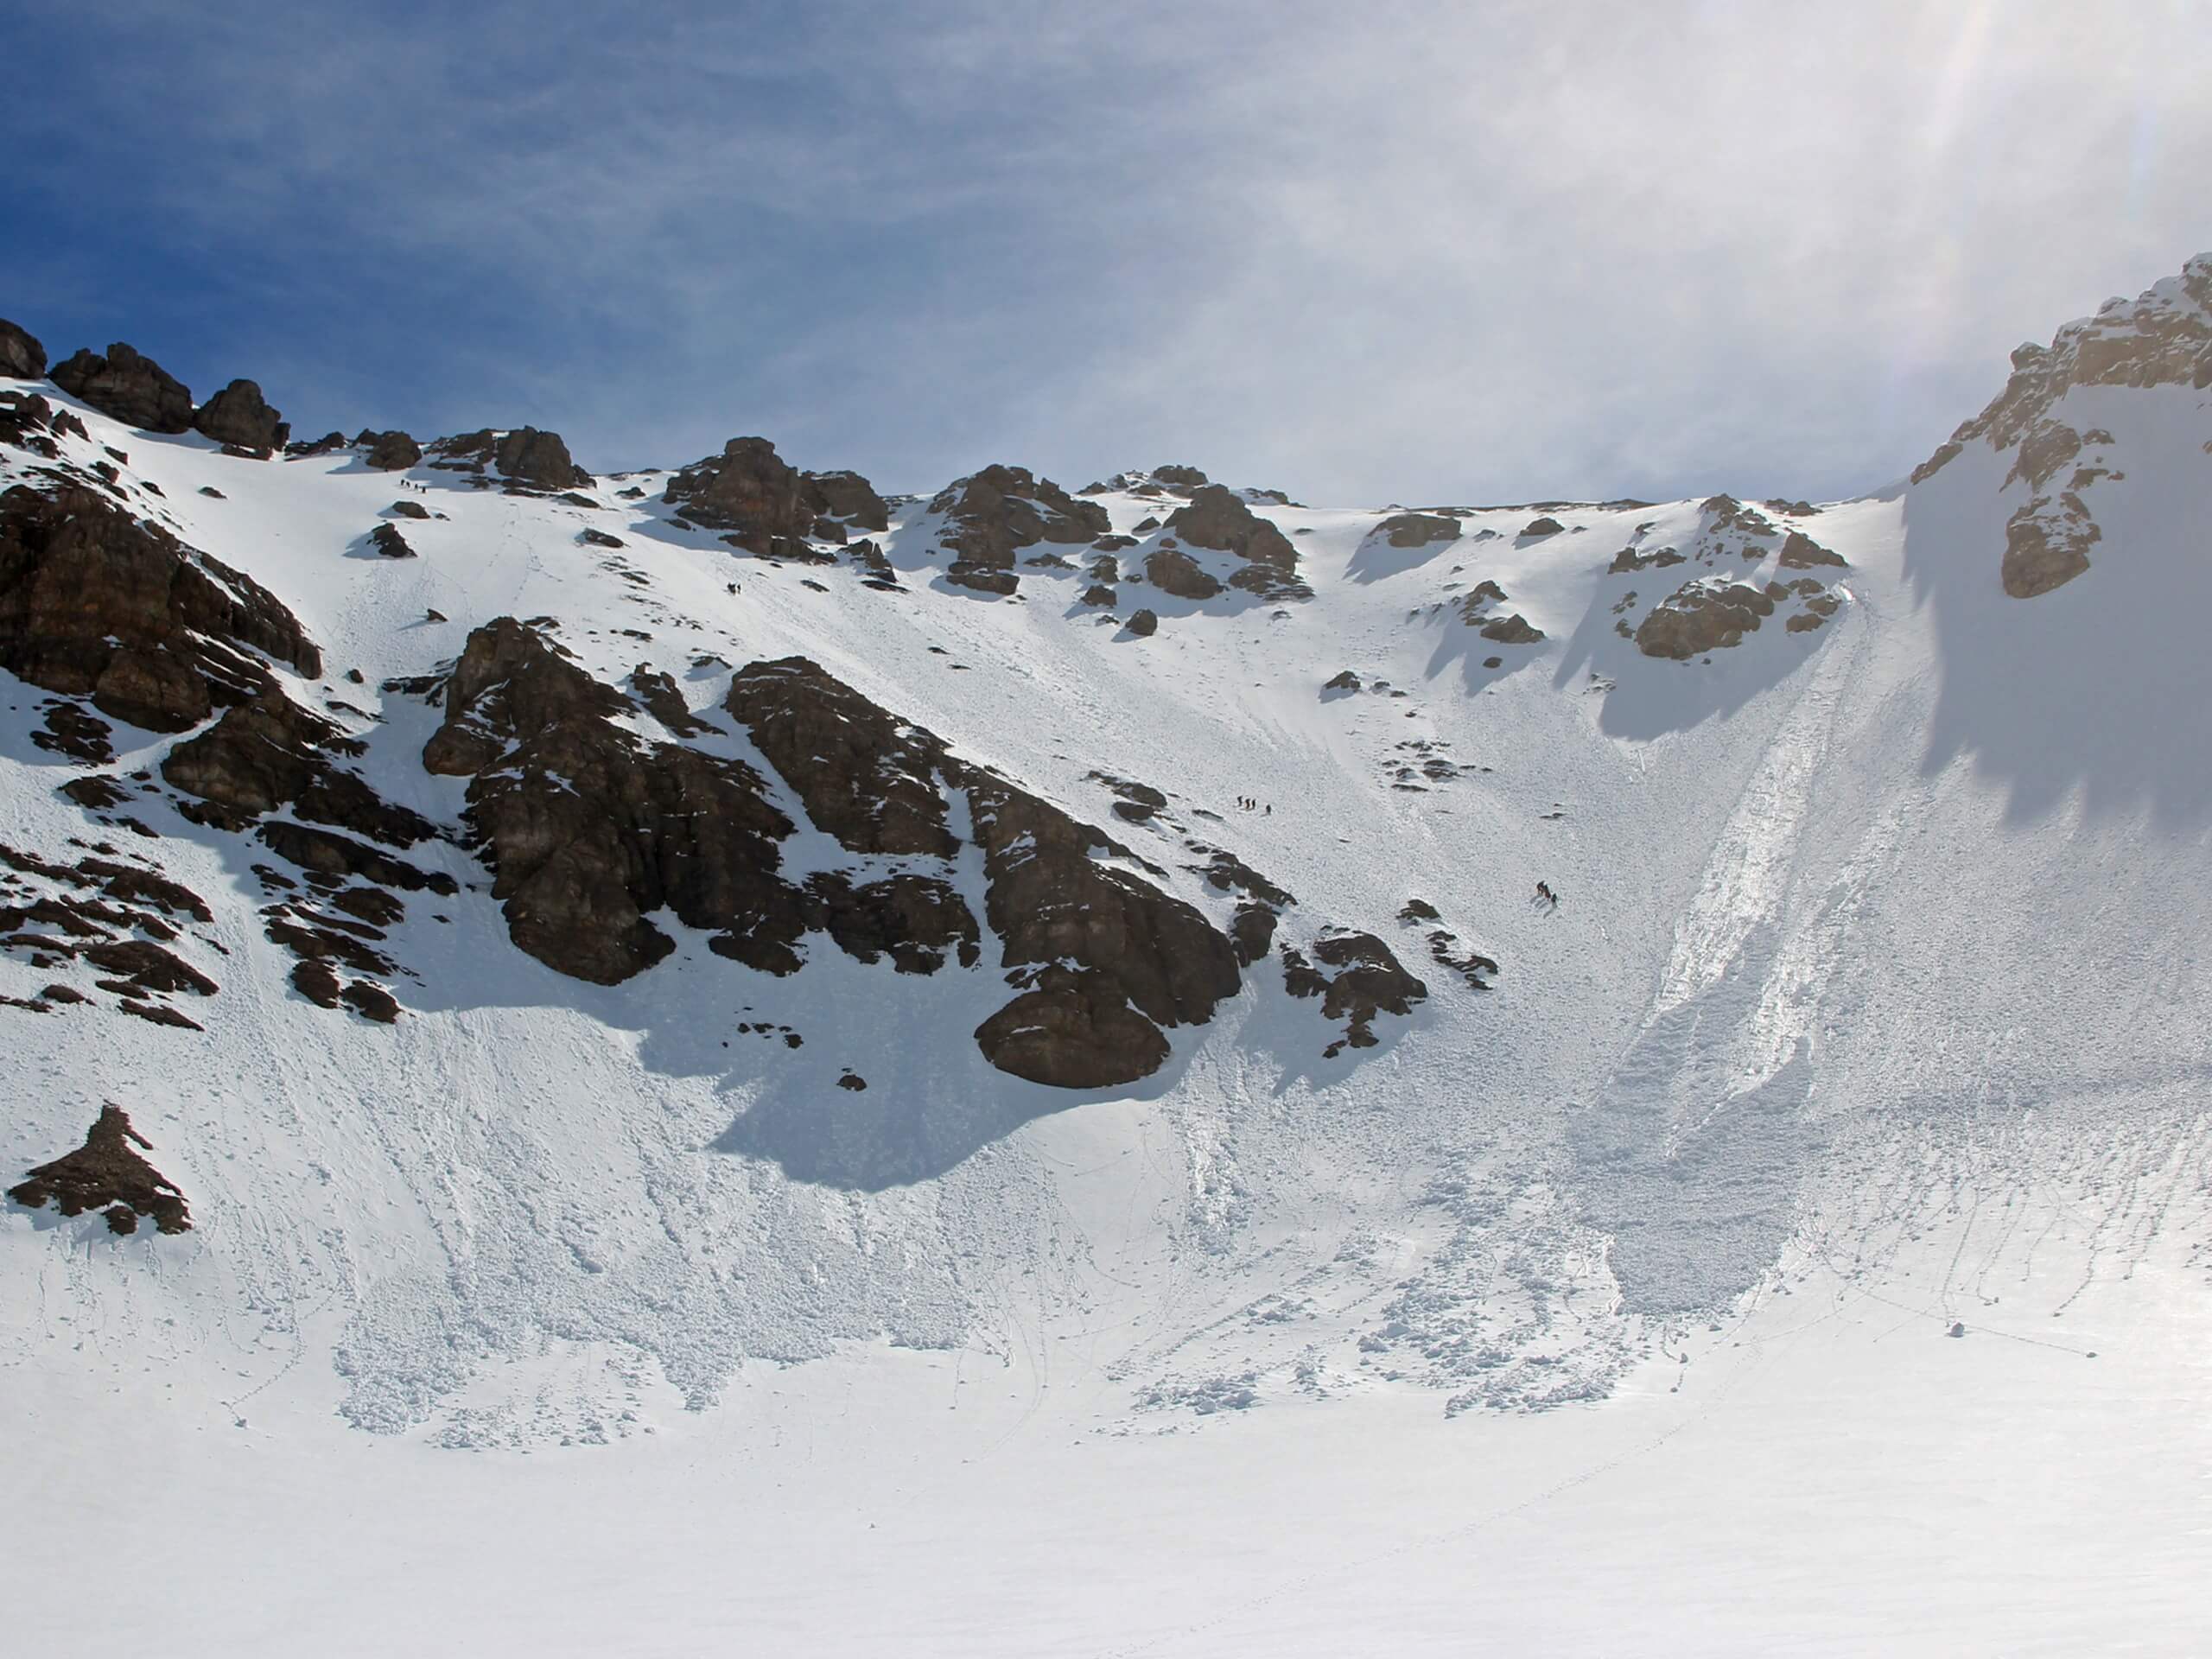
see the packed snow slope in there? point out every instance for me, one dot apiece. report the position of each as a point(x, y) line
point(1871, 1013)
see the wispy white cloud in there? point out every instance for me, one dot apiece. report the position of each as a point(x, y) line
point(1420, 251)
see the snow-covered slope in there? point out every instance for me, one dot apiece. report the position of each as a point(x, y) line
point(1871, 1013)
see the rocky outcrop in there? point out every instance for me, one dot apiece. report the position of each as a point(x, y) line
point(2159, 339)
point(95, 603)
point(848, 497)
point(2047, 544)
point(132, 389)
point(1112, 958)
point(1418, 529)
point(108, 1173)
point(1174, 571)
point(588, 828)
point(866, 776)
point(22, 357)
point(1512, 629)
point(269, 754)
point(240, 417)
point(1702, 616)
point(1801, 552)
point(526, 459)
point(1144, 623)
point(539, 459)
point(390, 544)
point(767, 505)
point(29, 421)
point(1545, 526)
point(389, 452)
point(993, 514)
point(1368, 980)
point(2162, 338)
point(1218, 518)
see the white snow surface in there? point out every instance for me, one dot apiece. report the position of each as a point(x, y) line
point(1610, 1309)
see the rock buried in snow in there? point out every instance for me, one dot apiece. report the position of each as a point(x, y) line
point(107, 1173)
point(1144, 623)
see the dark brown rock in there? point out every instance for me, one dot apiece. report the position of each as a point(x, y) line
point(68, 729)
point(1702, 616)
point(414, 510)
point(1946, 453)
point(240, 417)
point(315, 981)
point(915, 921)
point(132, 389)
point(2047, 544)
point(22, 358)
point(750, 491)
point(1368, 981)
point(95, 603)
point(371, 1002)
point(1072, 1036)
point(1218, 518)
point(864, 776)
point(588, 829)
point(995, 513)
point(1177, 573)
point(270, 752)
point(1052, 901)
point(329, 853)
point(108, 1173)
point(1418, 529)
point(148, 967)
point(538, 459)
point(1144, 623)
point(1801, 552)
point(390, 544)
point(328, 443)
point(1545, 525)
point(389, 452)
point(1512, 629)
point(848, 496)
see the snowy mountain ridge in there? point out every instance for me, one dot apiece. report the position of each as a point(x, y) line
point(576, 943)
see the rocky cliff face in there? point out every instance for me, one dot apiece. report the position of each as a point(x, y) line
point(95, 603)
point(751, 491)
point(240, 417)
point(1217, 518)
point(2161, 338)
point(135, 390)
point(993, 514)
point(590, 829)
point(22, 357)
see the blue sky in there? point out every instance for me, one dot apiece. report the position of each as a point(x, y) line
point(1435, 252)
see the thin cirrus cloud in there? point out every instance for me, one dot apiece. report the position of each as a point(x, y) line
point(1426, 253)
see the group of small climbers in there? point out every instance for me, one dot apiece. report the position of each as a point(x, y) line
point(1245, 803)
